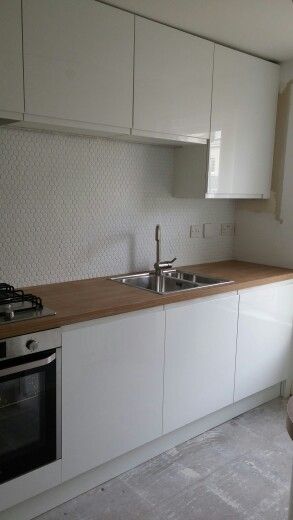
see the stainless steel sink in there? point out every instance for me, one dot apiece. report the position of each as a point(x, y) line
point(169, 281)
point(165, 279)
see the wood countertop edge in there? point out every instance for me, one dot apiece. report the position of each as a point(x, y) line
point(141, 299)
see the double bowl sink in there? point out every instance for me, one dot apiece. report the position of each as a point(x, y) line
point(169, 281)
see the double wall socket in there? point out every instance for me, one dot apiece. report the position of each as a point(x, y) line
point(195, 231)
point(210, 230)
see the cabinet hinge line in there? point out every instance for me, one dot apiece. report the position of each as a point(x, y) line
point(237, 333)
point(133, 72)
point(164, 364)
point(22, 51)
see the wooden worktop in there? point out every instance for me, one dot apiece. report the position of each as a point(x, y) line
point(84, 300)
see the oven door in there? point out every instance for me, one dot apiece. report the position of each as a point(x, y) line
point(29, 412)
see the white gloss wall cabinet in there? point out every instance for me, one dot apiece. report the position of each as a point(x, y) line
point(200, 354)
point(78, 64)
point(172, 82)
point(264, 338)
point(11, 70)
point(112, 383)
point(244, 102)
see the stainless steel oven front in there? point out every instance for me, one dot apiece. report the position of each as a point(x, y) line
point(30, 402)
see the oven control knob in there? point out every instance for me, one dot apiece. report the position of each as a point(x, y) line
point(32, 345)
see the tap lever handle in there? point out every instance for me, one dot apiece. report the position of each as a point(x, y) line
point(158, 233)
point(167, 264)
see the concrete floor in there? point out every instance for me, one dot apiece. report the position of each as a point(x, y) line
point(239, 470)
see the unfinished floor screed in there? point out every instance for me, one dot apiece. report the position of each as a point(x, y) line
point(238, 470)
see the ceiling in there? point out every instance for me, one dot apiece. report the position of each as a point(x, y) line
point(261, 27)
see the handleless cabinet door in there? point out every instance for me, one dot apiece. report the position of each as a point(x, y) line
point(199, 359)
point(172, 81)
point(112, 388)
point(244, 103)
point(78, 63)
point(264, 338)
point(11, 70)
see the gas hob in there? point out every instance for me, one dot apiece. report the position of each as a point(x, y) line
point(15, 305)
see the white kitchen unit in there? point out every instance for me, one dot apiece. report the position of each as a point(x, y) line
point(112, 388)
point(172, 82)
point(11, 71)
point(136, 384)
point(199, 358)
point(264, 346)
point(29, 485)
point(240, 155)
point(78, 65)
point(245, 92)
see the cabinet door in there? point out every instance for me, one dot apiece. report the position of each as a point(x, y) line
point(112, 388)
point(244, 104)
point(78, 62)
point(172, 81)
point(264, 338)
point(11, 71)
point(199, 359)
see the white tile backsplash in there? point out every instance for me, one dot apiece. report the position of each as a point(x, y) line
point(76, 207)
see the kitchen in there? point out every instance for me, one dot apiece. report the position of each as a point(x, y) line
point(128, 139)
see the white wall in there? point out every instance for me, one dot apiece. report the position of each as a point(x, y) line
point(77, 207)
point(260, 236)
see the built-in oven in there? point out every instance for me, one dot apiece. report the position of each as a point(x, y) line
point(30, 402)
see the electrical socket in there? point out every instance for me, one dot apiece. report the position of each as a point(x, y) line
point(228, 230)
point(195, 231)
point(211, 230)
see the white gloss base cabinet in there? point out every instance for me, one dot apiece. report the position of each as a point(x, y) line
point(89, 480)
point(200, 355)
point(78, 65)
point(11, 71)
point(244, 104)
point(137, 384)
point(264, 346)
point(172, 81)
point(112, 388)
point(29, 485)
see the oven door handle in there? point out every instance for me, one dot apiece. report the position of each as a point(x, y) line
point(27, 366)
